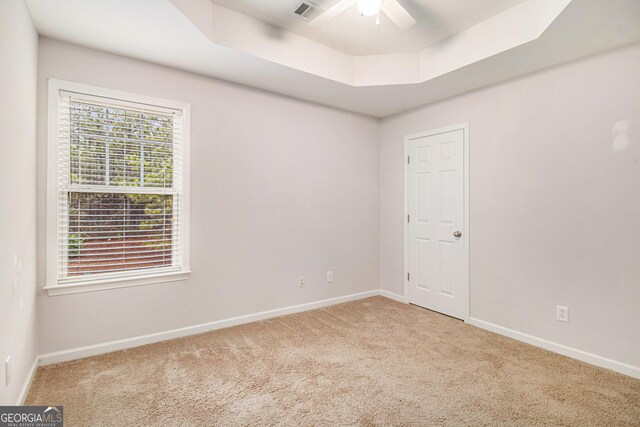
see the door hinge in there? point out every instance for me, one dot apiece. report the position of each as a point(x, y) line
point(408, 277)
point(408, 160)
point(408, 218)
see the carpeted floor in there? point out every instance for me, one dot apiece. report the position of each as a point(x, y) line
point(364, 363)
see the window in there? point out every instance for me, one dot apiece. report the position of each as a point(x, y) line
point(118, 194)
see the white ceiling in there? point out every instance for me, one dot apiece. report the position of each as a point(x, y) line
point(357, 35)
point(202, 37)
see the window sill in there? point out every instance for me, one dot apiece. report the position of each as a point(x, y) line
point(115, 283)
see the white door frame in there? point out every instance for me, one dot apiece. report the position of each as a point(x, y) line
point(407, 139)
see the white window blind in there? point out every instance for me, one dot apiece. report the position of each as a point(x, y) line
point(119, 188)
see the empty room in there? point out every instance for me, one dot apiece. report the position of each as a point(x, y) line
point(319, 213)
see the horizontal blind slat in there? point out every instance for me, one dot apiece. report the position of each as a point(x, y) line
point(146, 269)
point(150, 253)
point(133, 246)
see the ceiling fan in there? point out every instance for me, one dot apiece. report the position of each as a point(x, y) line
point(394, 10)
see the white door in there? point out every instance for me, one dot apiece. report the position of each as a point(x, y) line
point(437, 258)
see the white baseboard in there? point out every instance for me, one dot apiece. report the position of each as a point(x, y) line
point(97, 349)
point(108, 347)
point(593, 359)
point(27, 382)
point(392, 296)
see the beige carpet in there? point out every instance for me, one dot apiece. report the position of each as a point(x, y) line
point(365, 363)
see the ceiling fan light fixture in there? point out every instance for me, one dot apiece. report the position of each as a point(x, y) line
point(369, 7)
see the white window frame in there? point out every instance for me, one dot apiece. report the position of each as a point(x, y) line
point(53, 286)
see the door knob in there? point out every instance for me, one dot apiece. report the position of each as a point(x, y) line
point(457, 234)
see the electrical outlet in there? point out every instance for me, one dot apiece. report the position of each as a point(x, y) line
point(329, 276)
point(7, 371)
point(301, 282)
point(562, 313)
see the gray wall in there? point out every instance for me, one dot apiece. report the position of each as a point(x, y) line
point(555, 201)
point(18, 55)
point(280, 188)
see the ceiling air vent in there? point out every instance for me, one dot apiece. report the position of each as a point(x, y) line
point(308, 11)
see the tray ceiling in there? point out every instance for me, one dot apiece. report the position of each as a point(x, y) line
point(357, 35)
point(206, 38)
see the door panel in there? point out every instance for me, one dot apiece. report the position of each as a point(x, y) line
point(424, 254)
point(437, 260)
point(423, 202)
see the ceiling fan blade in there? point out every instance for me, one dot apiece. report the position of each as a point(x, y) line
point(332, 12)
point(398, 14)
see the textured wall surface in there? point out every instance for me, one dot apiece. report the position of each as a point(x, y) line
point(554, 210)
point(18, 59)
point(280, 188)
